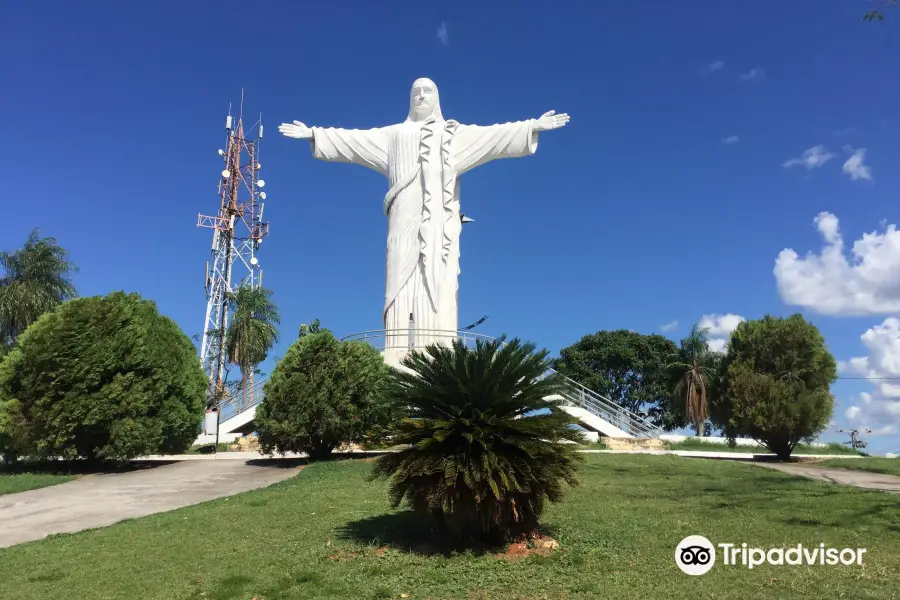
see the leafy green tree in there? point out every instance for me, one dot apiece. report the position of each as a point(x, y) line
point(305, 329)
point(251, 334)
point(693, 369)
point(624, 366)
point(36, 279)
point(484, 436)
point(321, 394)
point(103, 378)
point(9, 429)
point(775, 381)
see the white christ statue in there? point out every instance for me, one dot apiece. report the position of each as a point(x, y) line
point(422, 159)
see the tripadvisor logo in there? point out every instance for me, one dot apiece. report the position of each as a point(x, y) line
point(696, 555)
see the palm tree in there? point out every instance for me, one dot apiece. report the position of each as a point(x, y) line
point(252, 332)
point(693, 365)
point(484, 438)
point(36, 279)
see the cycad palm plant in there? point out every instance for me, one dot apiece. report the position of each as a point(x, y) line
point(35, 280)
point(252, 332)
point(484, 436)
point(693, 366)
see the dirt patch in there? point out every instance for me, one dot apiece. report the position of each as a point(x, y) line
point(540, 545)
point(380, 551)
point(343, 555)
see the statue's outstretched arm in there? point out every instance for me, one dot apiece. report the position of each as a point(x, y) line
point(366, 147)
point(475, 145)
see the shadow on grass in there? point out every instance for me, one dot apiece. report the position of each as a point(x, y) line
point(279, 463)
point(289, 463)
point(884, 510)
point(79, 467)
point(411, 532)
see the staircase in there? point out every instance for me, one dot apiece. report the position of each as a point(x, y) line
point(594, 412)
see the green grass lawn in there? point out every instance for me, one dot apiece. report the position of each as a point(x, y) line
point(799, 449)
point(329, 534)
point(887, 466)
point(10, 483)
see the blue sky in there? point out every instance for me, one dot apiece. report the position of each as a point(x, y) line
point(636, 215)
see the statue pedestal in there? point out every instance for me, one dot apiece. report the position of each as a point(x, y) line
point(394, 356)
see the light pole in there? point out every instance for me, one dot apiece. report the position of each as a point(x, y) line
point(855, 442)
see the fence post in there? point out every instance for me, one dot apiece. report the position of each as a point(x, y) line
point(410, 341)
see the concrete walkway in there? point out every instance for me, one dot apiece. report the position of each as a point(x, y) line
point(99, 500)
point(860, 479)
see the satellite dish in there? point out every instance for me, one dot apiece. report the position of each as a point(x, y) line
point(261, 183)
point(226, 173)
point(254, 261)
point(258, 166)
point(262, 195)
point(221, 152)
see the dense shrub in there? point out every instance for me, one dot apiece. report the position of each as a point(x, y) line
point(485, 439)
point(323, 393)
point(102, 378)
point(775, 381)
point(624, 366)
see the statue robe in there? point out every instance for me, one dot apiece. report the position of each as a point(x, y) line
point(422, 162)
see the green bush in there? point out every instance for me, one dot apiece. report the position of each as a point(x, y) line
point(102, 378)
point(775, 381)
point(321, 394)
point(485, 445)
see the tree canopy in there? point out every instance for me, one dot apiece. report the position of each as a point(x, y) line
point(321, 394)
point(36, 278)
point(775, 381)
point(102, 378)
point(253, 330)
point(623, 365)
point(692, 369)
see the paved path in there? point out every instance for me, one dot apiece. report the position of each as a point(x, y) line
point(99, 500)
point(861, 479)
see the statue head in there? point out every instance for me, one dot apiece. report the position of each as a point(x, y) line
point(424, 101)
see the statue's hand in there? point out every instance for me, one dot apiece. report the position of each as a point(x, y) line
point(550, 120)
point(296, 130)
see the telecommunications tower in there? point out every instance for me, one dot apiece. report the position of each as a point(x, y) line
point(238, 230)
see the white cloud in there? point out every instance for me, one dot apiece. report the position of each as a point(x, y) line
point(812, 158)
point(717, 345)
point(719, 329)
point(855, 166)
point(880, 410)
point(670, 326)
point(443, 34)
point(865, 283)
point(755, 74)
point(714, 66)
point(731, 139)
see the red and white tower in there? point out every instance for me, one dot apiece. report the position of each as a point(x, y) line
point(238, 230)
